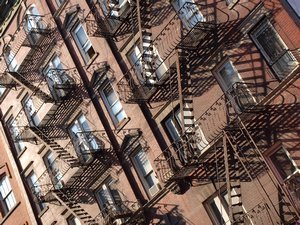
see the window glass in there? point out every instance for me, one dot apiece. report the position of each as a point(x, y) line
point(36, 189)
point(15, 132)
point(83, 42)
point(54, 170)
point(295, 4)
point(188, 12)
point(83, 139)
point(113, 104)
point(145, 172)
point(274, 49)
point(7, 196)
point(73, 221)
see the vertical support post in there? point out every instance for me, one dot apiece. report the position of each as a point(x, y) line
point(228, 184)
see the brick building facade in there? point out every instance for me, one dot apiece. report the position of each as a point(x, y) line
point(151, 112)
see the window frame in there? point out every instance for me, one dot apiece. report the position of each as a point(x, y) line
point(88, 44)
point(4, 205)
point(54, 173)
point(232, 92)
point(297, 13)
point(13, 126)
point(262, 26)
point(109, 107)
point(71, 220)
point(37, 189)
point(143, 177)
point(85, 137)
point(274, 167)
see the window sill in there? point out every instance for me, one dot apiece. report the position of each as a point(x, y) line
point(91, 61)
point(43, 211)
point(9, 213)
point(122, 124)
point(233, 3)
point(21, 152)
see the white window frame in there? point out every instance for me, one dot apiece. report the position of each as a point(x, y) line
point(115, 10)
point(189, 14)
point(53, 169)
point(7, 197)
point(229, 88)
point(135, 58)
point(72, 220)
point(34, 21)
point(83, 140)
point(87, 46)
point(35, 186)
point(30, 111)
point(109, 106)
point(145, 171)
point(58, 78)
point(14, 130)
point(111, 204)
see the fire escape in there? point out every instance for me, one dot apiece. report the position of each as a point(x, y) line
point(230, 139)
point(111, 19)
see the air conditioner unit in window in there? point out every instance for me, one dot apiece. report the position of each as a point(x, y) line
point(154, 189)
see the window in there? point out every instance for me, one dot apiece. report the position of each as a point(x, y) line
point(56, 78)
point(173, 126)
point(72, 220)
point(83, 139)
point(33, 24)
point(114, 8)
point(233, 85)
point(83, 42)
point(7, 197)
point(11, 61)
point(217, 207)
point(59, 2)
point(295, 4)
point(274, 49)
point(113, 103)
point(53, 169)
point(36, 190)
point(16, 135)
point(109, 197)
point(281, 162)
point(2, 90)
point(145, 172)
point(30, 111)
point(157, 65)
point(188, 12)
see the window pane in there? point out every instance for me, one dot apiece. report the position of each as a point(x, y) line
point(81, 36)
point(110, 94)
point(270, 42)
point(121, 116)
point(295, 4)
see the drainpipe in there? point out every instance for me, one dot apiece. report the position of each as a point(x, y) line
point(92, 95)
point(19, 167)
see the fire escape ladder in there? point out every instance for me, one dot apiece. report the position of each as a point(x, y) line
point(61, 151)
point(146, 40)
point(7, 82)
point(29, 84)
point(253, 162)
point(186, 104)
point(75, 207)
point(233, 184)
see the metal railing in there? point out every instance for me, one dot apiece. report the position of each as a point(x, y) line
point(196, 141)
